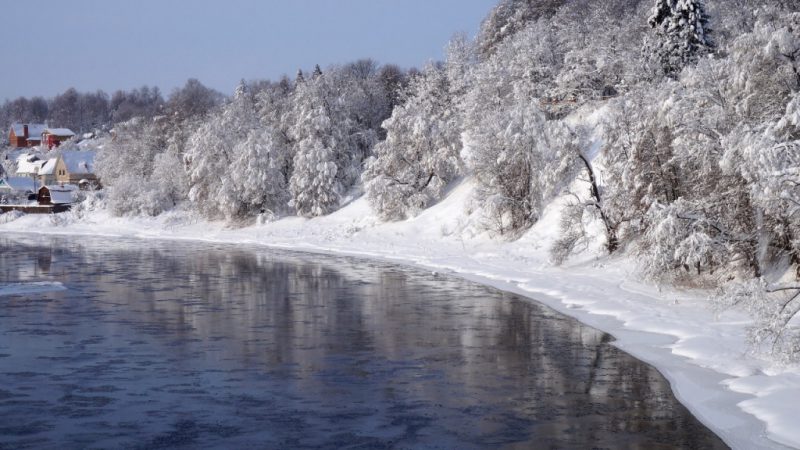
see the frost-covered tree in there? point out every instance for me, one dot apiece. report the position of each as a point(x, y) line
point(774, 305)
point(577, 156)
point(420, 155)
point(509, 149)
point(257, 176)
point(319, 137)
point(210, 154)
point(598, 65)
point(683, 34)
point(238, 159)
point(510, 17)
point(334, 122)
point(510, 146)
point(127, 165)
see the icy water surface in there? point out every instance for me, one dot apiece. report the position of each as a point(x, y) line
point(149, 345)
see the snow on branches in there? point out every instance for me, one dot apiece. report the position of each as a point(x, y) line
point(420, 155)
point(682, 34)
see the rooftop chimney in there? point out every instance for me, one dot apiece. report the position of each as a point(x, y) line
point(25, 131)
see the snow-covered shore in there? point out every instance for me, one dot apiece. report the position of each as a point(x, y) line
point(749, 401)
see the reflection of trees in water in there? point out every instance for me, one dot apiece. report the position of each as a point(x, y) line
point(433, 339)
point(268, 309)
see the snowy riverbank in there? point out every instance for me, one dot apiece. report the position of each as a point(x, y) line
point(749, 401)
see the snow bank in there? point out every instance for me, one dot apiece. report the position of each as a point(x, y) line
point(748, 401)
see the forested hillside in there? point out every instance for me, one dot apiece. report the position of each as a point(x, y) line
point(672, 125)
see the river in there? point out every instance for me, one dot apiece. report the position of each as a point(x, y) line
point(115, 343)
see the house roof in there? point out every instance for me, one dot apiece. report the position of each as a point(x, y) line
point(78, 162)
point(20, 184)
point(61, 194)
point(28, 164)
point(49, 167)
point(35, 130)
point(58, 131)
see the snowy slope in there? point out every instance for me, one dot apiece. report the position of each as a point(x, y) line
point(750, 402)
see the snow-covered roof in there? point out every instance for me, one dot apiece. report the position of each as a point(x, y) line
point(20, 184)
point(59, 131)
point(28, 164)
point(49, 167)
point(79, 162)
point(35, 130)
point(61, 194)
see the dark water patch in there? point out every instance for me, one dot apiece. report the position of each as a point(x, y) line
point(25, 429)
point(165, 345)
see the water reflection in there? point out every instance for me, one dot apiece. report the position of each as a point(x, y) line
point(164, 344)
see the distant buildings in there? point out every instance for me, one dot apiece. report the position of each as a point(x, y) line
point(69, 167)
point(26, 134)
point(53, 137)
point(33, 134)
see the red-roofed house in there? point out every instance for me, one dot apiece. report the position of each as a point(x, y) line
point(25, 134)
point(53, 137)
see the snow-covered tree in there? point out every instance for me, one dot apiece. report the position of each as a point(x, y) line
point(420, 155)
point(140, 174)
point(210, 154)
point(683, 34)
point(774, 305)
point(334, 122)
point(512, 156)
point(319, 138)
point(510, 17)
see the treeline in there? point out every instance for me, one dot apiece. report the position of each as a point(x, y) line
point(97, 111)
point(680, 121)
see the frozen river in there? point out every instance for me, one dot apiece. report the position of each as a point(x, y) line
point(139, 344)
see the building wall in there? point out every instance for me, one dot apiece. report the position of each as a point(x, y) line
point(62, 175)
point(54, 141)
point(16, 141)
point(45, 180)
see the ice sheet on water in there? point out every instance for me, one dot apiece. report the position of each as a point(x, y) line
point(30, 288)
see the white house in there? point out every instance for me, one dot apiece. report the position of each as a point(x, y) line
point(72, 167)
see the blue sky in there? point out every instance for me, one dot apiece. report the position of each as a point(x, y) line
point(116, 44)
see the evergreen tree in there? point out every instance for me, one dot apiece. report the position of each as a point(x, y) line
point(683, 34)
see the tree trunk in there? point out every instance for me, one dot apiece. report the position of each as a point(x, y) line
point(612, 241)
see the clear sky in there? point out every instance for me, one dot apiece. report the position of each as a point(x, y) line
point(47, 46)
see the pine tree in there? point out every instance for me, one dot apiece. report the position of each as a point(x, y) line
point(683, 34)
